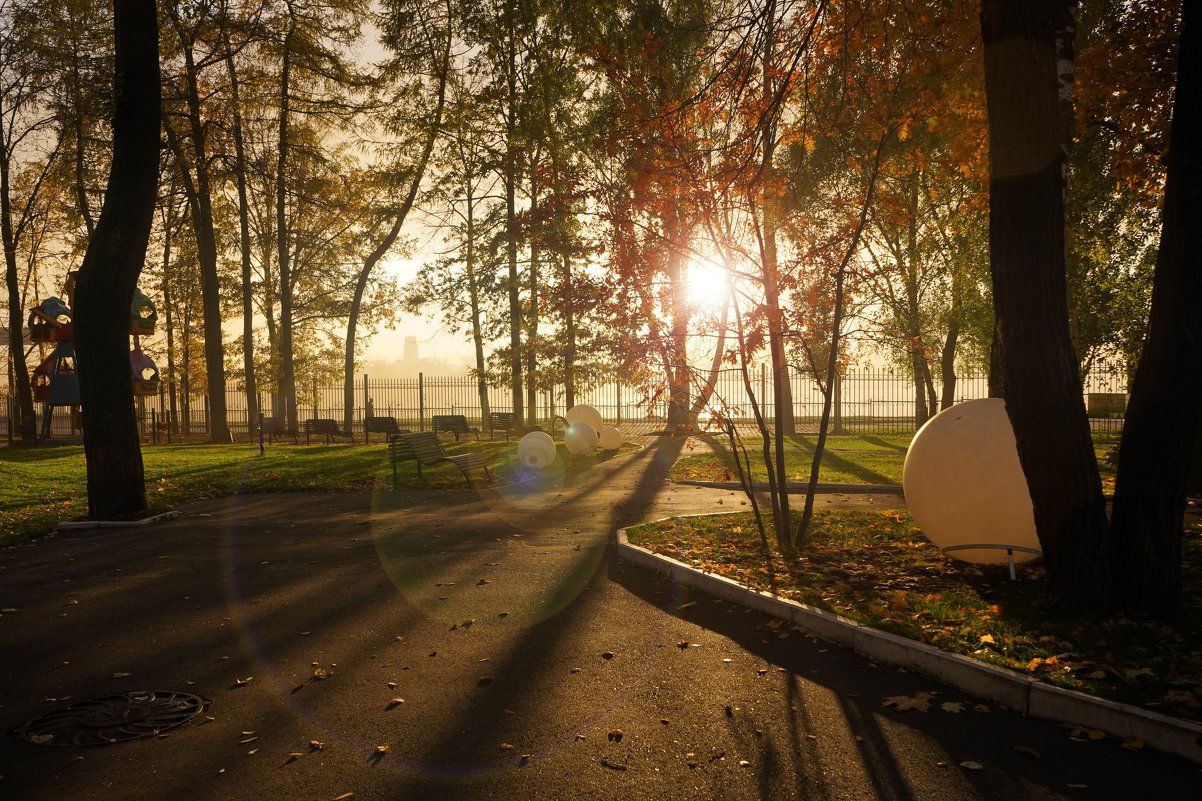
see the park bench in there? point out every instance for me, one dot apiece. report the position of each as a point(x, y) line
point(381, 425)
point(452, 424)
point(501, 421)
point(274, 428)
point(425, 449)
point(325, 427)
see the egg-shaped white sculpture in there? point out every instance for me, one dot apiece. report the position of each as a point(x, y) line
point(965, 486)
point(580, 438)
point(536, 450)
point(611, 438)
point(583, 413)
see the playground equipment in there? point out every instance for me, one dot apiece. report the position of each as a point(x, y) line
point(55, 379)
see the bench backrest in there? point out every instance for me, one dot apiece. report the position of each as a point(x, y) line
point(380, 425)
point(422, 446)
point(501, 420)
point(450, 422)
point(321, 425)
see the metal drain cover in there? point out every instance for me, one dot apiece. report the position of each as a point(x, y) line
point(113, 718)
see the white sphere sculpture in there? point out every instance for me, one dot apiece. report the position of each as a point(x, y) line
point(611, 438)
point(583, 413)
point(580, 438)
point(964, 484)
point(536, 450)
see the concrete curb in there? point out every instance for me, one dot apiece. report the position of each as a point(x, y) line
point(1021, 693)
point(81, 525)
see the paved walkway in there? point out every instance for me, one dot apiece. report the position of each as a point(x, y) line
point(532, 664)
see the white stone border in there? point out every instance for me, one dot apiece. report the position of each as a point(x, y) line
point(1021, 693)
point(80, 525)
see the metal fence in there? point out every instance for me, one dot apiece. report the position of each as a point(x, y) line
point(871, 401)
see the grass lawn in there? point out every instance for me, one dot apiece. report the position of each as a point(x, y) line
point(877, 568)
point(851, 459)
point(39, 487)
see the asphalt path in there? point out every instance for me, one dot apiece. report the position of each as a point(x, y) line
point(532, 664)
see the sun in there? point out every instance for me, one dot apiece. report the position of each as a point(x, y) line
point(707, 285)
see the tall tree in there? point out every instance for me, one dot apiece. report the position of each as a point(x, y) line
point(24, 83)
point(1028, 81)
point(104, 292)
point(1166, 396)
point(420, 36)
point(194, 26)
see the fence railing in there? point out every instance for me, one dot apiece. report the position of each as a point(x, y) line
point(873, 401)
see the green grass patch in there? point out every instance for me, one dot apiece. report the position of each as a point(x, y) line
point(39, 487)
point(878, 569)
point(847, 459)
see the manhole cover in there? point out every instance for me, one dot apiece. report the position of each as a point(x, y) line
point(113, 718)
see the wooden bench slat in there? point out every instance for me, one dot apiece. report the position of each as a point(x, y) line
point(452, 424)
point(325, 427)
point(425, 449)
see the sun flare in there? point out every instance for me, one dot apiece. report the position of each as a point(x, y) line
point(707, 285)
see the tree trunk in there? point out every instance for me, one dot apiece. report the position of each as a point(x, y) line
point(200, 197)
point(1166, 396)
point(26, 425)
point(1025, 77)
point(947, 365)
point(244, 243)
point(287, 386)
point(532, 311)
point(568, 306)
point(511, 225)
point(473, 289)
point(105, 287)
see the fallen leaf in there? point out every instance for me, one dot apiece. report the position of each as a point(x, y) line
point(1133, 744)
point(1027, 750)
point(1097, 734)
point(506, 746)
point(483, 680)
point(344, 796)
point(903, 703)
point(383, 749)
point(122, 675)
point(321, 674)
point(395, 702)
point(952, 706)
point(316, 745)
point(247, 741)
point(615, 735)
point(970, 765)
point(988, 638)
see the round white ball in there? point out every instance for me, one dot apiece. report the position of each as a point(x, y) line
point(536, 450)
point(580, 438)
point(964, 484)
point(583, 413)
point(611, 438)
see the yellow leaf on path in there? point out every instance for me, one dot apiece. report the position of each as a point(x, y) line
point(903, 703)
point(344, 796)
point(988, 638)
point(383, 749)
point(953, 706)
point(1097, 734)
point(1133, 744)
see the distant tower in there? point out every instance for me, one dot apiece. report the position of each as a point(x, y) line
point(410, 350)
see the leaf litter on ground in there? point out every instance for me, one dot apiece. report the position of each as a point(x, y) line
point(877, 568)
